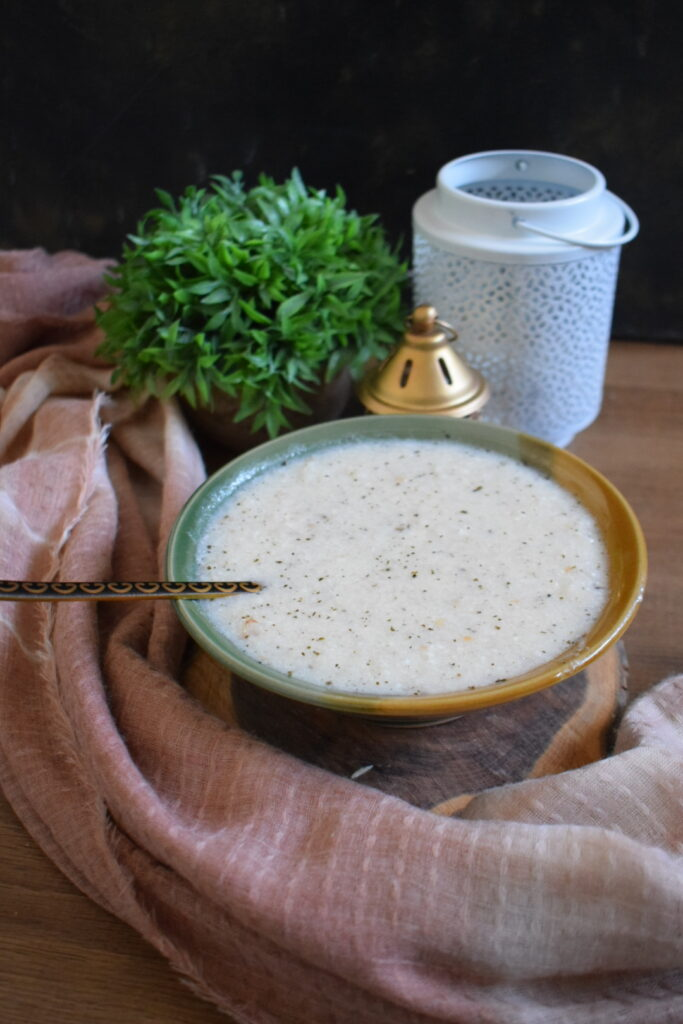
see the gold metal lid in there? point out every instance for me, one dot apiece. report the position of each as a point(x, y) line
point(424, 374)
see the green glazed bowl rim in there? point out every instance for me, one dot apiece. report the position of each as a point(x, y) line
point(618, 523)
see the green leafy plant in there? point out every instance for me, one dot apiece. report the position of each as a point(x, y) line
point(263, 294)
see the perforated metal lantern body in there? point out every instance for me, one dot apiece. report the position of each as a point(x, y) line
point(424, 374)
point(520, 251)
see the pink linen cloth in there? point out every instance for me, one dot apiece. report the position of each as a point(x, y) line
point(286, 895)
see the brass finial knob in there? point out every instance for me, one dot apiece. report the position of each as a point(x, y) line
point(424, 374)
point(423, 319)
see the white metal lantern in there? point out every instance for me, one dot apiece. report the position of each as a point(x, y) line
point(519, 250)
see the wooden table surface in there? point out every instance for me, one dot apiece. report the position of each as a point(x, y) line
point(63, 960)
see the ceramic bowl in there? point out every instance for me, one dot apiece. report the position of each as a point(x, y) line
point(617, 522)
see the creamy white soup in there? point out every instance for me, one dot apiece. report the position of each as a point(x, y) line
point(405, 567)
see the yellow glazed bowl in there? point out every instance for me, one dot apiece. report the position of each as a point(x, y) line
point(619, 527)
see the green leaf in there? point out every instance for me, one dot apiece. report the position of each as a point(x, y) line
point(165, 198)
point(292, 305)
point(218, 295)
point(203, 389)
point(244, 278)
point(218, 319)
point(202, 287)
point(252, 312)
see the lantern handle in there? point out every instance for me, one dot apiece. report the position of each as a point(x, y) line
point(630, 232)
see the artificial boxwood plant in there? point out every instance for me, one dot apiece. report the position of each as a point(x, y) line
point(262, 293)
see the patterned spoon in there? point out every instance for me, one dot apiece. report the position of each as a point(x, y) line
point(14, 590)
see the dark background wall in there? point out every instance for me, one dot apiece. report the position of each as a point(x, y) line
point(103, 100)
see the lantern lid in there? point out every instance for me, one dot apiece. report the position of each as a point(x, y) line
point(522, 206)
point(424, 374)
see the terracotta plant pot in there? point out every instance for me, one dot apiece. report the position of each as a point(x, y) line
point(218, 423)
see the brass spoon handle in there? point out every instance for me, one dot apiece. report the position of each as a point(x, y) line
point(14, 590)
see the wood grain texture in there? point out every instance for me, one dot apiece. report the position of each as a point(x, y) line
point(638, 443)
point(63, 960)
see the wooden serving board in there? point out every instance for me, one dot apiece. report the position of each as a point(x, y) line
point(432, 766)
